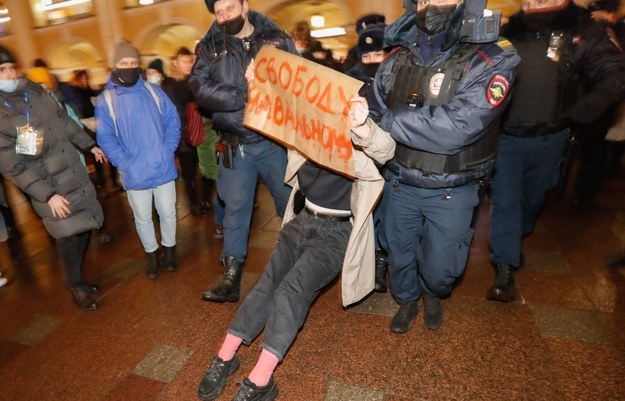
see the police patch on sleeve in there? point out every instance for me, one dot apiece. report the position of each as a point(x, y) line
point(497, 90)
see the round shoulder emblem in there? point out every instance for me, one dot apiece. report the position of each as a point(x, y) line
point(497, 90)
point(435, 83)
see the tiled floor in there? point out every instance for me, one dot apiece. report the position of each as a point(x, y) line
point(563, 339)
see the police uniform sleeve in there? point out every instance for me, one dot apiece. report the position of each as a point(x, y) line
point(478, 102)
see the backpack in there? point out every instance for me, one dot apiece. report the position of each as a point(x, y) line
point(194, 133)
point(109, 104)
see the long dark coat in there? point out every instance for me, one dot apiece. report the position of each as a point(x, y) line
point(57, 169)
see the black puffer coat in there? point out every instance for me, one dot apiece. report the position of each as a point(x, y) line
point(57, 169)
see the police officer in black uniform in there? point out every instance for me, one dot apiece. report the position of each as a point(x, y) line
point(441, 94)
point(557, 41)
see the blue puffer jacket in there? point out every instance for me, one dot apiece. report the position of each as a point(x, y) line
point(144, 150)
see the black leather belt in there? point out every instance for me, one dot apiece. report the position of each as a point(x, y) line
point(328, 217)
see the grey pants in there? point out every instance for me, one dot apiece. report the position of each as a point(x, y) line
point(308, 256)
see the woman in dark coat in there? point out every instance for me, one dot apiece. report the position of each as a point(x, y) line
point(48, 168)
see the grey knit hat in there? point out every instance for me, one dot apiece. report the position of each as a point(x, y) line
point(121, 49)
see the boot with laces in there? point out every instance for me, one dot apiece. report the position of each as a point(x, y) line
point(214, 381)
point(251, 392)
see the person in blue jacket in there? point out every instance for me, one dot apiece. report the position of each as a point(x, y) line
point(441, 94)
point(139, 131)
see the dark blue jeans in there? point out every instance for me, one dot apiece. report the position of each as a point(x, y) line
point(526, 168)
point(308, 256)
point(237, 187)
point(428, 234)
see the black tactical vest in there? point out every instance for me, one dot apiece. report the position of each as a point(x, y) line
point(418, 86)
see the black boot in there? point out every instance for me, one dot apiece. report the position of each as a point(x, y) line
point(381, 269)
point(83, 299)
point(403, 318)
point(152, 271)
point(503, 289)
point(228, 289)
point(171, 264)
point(433, 311)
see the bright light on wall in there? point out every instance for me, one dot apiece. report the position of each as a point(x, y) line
point(328, 32)
point(5, 19)
point(47, 5)
point(4, 11)
point(146, 2)
point(317, 21)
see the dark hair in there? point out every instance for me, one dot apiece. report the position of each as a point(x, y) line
point(183, 51)
point(40, 63)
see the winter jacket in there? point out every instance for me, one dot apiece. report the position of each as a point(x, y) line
point(586, 56)
point(218, 78)
point(57, 169)
point(449, 128)
point(358, 273)
point(142, 148)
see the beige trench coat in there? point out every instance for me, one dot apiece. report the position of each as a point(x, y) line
point(358, 274)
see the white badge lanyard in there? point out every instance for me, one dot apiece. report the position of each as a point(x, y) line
point(28, 141)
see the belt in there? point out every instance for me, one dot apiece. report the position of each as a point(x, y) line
point(328, 217)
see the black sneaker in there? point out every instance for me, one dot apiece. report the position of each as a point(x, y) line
point(403, 318)
point(251, 392)
point(432, 311)
point(214, 381)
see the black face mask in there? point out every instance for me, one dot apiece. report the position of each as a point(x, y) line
point(433, 20)
point(126, 76)
point(370, 69)
point(233, 26)
point(538, 21)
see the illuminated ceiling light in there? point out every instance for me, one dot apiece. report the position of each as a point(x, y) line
point(146, 2)
point(47, 5)
point(317, 21)
point(5, 19)
point(4, 11)
point(328, 32)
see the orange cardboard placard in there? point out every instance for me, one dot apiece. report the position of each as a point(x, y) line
point(303, 105)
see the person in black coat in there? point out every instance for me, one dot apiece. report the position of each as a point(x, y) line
point(38, 142)
point(560, 46)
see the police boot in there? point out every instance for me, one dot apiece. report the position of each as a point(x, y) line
point(152, 271)
point(503, 289)
point(381, 269)
point(171, 264)
point(228, 289)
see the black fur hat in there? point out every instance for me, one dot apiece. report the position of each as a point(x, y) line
point(6, 56)
point(369, 19)
point(371, 39)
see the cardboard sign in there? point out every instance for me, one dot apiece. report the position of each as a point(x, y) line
point(303, 105)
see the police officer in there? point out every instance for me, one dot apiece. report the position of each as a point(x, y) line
point(219, 86)
point(442, 95)
point(556, 39)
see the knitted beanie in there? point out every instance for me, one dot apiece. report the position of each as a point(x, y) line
point(157, 64)
point(120, 50)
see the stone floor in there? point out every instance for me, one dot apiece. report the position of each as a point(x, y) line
point(563, 339)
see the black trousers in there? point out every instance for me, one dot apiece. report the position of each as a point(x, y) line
point(189, 166)
point(71, 251)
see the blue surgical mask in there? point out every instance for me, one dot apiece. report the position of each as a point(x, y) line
point(8, 85)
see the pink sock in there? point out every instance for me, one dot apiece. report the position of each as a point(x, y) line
point(264, 368)
point(229, 347)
